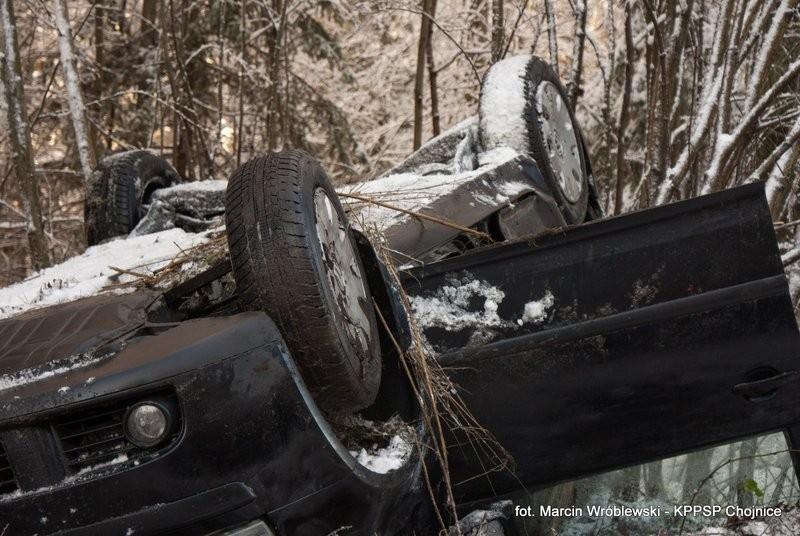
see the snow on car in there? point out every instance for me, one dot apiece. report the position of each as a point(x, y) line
point(255, 379)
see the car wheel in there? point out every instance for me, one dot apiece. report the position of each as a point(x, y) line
point(119, 191)
point(294, 257)
point(523, 105)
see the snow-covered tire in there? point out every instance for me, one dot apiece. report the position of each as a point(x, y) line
point(294, 257)
point(119, 189)
point(524, 106)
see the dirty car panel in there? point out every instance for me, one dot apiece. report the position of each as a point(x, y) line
point(249, 443)
point(668, 330)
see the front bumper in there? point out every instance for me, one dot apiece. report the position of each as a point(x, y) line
point(252, 445)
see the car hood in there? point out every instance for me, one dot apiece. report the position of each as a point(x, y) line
point(40, 340)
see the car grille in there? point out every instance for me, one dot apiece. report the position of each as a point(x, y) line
point(8, 483)
point(95, 437)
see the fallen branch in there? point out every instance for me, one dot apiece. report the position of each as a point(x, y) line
point(131, 272)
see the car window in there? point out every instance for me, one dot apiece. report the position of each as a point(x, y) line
point(745, 479)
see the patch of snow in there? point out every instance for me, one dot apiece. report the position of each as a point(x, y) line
point(122, 458)
point(383, 460)
point(413, 192)
point(53, 368)
point(80, 476)
point(196, 186)
point(502, 106)
point(536, 311)
point(456, 306)
point(89, 273)
point(472, 303)
point(465, 153)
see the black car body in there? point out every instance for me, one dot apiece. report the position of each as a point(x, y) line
point(665, 331)
point(247, 441)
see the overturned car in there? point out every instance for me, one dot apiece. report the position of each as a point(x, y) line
point(216, 406)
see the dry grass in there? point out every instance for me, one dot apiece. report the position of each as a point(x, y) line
point(443, 409)
point(185, 264)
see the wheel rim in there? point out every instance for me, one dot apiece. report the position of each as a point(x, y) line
point(343, 272)
point(561, 141)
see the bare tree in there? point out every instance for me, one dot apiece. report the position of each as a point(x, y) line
point(15, 110)
point(74, 93)
point(419, 81)
point(552, 34)
point(433, 76)
point(498, 31)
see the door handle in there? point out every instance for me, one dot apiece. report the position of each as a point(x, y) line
point(761, 387)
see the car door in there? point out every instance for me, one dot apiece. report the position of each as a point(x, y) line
point(614, 343)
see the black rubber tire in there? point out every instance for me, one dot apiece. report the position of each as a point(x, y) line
point(119, 188)
point(532, 72)
point(277, 263)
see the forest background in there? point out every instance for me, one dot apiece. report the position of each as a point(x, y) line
point(676, 97)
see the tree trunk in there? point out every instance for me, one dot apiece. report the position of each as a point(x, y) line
point(74, 93)
point(552, 37)
point(698, 467)
point(624, 113)
point(498, 34)
point(745, 471)
point(419, 81)
point(435, 118)
point(13, 90)
point(574, 84)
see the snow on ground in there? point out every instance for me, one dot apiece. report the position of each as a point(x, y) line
point(89, 273)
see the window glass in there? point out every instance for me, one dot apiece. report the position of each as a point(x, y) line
point(749, 479)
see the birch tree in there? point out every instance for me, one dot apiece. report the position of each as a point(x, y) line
point(15, 111)
point(74, 93)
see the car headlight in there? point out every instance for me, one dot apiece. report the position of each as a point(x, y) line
point(148, 423)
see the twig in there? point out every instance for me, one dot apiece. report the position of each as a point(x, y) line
point(421, 402)
point(787, 225)
point(791, 256)
point(131, 272)
point(419, 215)
point(441, 405)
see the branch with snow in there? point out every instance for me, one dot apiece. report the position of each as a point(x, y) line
point(715, 177)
